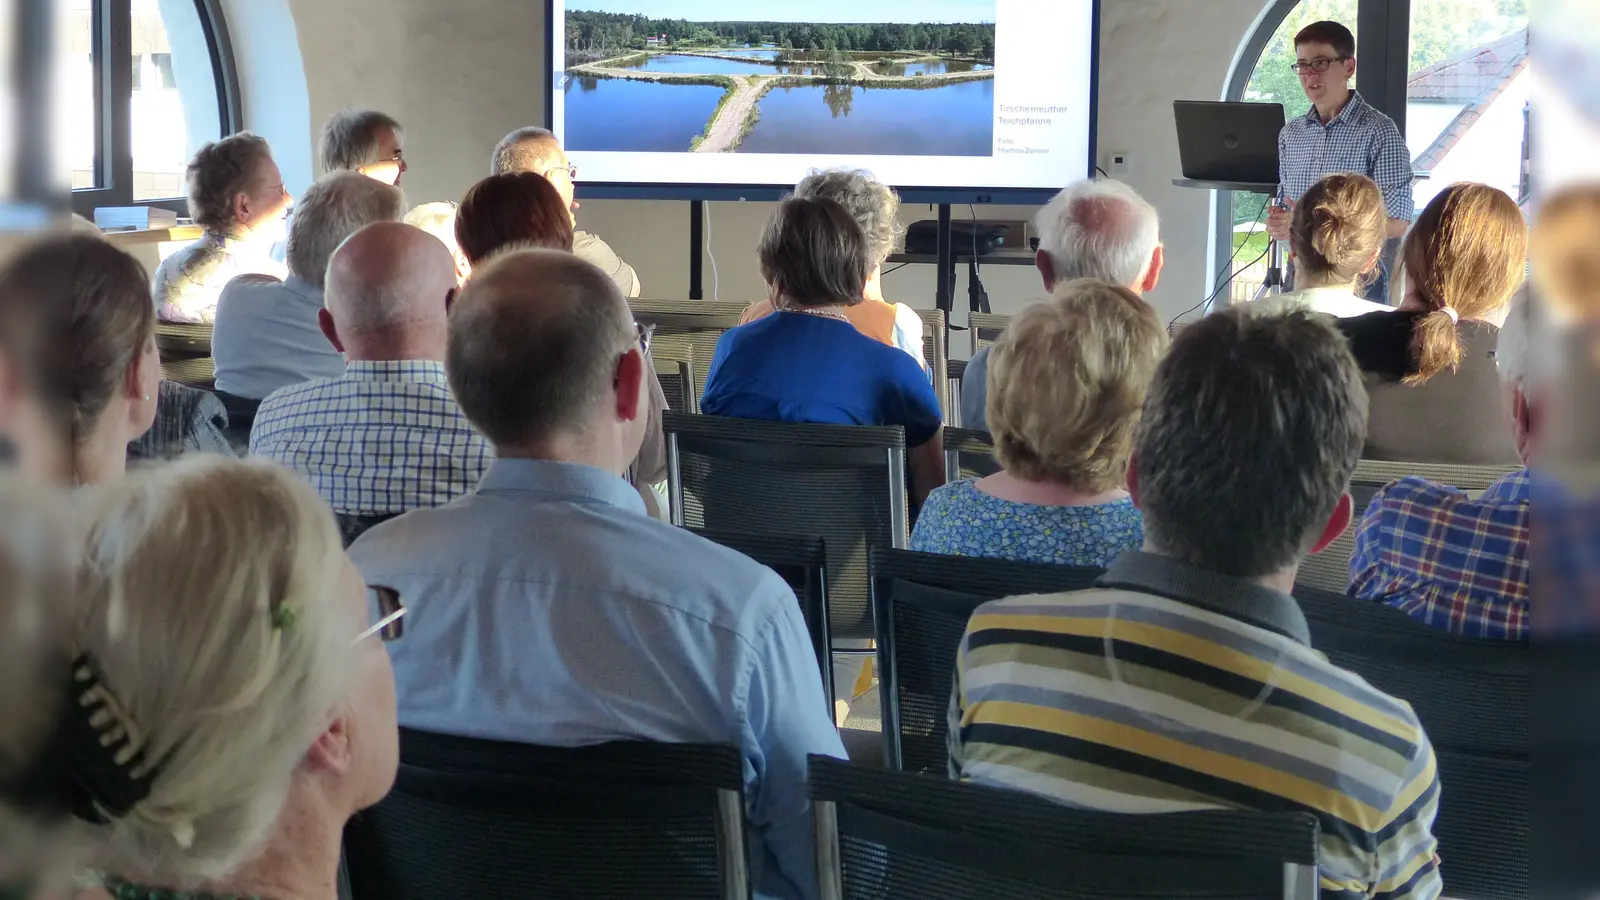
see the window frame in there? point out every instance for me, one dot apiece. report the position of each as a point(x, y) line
point(112, 49)
point(1381, 78)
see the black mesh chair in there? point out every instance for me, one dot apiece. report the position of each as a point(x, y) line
point(677, 381)
point(986, 328)
point(890, 835)
point(352, 526)
point(933, 352)
point(688, 329)
point(500, 821)
point(922, 603)
point(954, 371)
point(178, 340)
point(803, 563)
point(844, 483)
point(1472, 697)
point(968, 454)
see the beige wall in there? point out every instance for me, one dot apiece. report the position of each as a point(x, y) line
point(461, 74)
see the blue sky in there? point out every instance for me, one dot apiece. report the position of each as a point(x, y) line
point(830, 11)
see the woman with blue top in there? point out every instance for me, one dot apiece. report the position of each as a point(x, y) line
point(807, 362)
point(1066, 383)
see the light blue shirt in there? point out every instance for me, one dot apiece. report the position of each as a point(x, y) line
point(975, 392)
point(266, 336)
point(547, 608)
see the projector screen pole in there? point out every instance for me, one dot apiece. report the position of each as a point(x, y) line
point(945, 292)
point(697, 231)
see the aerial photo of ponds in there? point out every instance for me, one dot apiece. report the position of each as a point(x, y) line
point(899, 85)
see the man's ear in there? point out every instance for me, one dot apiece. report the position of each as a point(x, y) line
point(241, 208)
point(325, 322)
point(1350, 66)
point(1047, 270)
point(450, 299)
point(1158, 261)
point(1133, 480)
point(1337, 523)
point(331, 751)
point(630, 385)
point(1524, 423)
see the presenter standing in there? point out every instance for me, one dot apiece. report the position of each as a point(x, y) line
point(1341, 133)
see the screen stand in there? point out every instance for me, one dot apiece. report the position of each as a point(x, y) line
point(944, 292)
point(697, 231)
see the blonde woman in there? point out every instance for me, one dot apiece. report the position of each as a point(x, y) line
point(1434, 392)
point(1066, 383)
point(232, 678)
point(1337, 234)
point(876, 208)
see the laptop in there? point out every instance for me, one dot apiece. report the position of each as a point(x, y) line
point(1235, 142)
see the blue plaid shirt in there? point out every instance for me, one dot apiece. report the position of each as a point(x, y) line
point(1359, 139)
point(384, 438)
point(1455, 563)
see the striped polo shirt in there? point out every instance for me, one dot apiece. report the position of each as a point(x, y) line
point(1169, 688)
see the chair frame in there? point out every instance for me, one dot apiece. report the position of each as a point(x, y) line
point(935, 349)
point(986, 328)
point(964, 440)
point(676, 366)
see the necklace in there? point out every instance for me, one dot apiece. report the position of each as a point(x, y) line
point(822, 313)
point(122, 890)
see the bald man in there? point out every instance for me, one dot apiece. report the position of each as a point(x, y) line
point(386, 436)
point(537, 150)
point(559, 613)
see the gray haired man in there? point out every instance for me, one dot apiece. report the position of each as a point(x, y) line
point(365, 141)
point(1093, 229)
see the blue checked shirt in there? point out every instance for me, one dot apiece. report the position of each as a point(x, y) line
point(385, 438)
point(1453, 562)
point(1359, 139)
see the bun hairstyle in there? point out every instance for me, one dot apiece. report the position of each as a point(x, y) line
point(1464, 258)
point(1339, 228)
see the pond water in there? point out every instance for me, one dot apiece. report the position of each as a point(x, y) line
point(677, 64)
point(617, 114)
point(754, 54)
point(931, 67)
point(951, 120)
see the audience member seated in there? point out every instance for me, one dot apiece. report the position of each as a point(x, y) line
point(439, 220)
point(876, 208)
point(77, 332)
point(1338, 233)
point(536, 150)
point(523, 211)
point(558, 612)
point(519, 211)
point(237, 195)
point(228, 762)
point(1092, 229)
point(188, 420)
point(1066, 382)
point(365, 141)
point(1430, 363)
point(386, 436)
point(807, 362)
point(1448, 559)
point(1186, 678)
point(266, 335)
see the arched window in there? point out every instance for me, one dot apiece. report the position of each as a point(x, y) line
point(145, 84)
point(1453, 74)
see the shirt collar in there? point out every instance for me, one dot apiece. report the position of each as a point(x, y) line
point(561, 481)
point(1512, 488)
point(424, 370)
point(1237, 598)
point(1356, 107)
point(297, 285)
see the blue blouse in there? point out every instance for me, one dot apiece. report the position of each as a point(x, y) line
point(960, 520)
point(794, 367)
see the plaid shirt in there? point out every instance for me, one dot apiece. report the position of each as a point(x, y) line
point(385, 438)
point(1359, 139)
point(1453, 562)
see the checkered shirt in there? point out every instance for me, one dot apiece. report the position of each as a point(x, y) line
point(385, 438)
point(1446, 559)
point(1359, 139)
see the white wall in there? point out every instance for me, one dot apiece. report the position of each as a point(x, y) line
point(1491, 152)
point(461, 74)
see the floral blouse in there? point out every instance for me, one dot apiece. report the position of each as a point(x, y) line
point(960, 520)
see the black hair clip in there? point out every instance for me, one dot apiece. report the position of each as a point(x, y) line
point(109, 770)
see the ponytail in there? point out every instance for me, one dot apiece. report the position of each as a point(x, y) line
point(1435, 345)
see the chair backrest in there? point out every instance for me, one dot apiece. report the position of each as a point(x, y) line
point(688, 329)
point(921, 603)
point(677, 378)
point(955, 370)
point(175, 340)
point(1330, 569)
point(1472, 697)
point(986, 328)
point(845, 483)
point(934, 344)
point(195, 371)
point(352, 526)
point(890, 835)
point(802, 562)
point(489, 819)
point(968, 454)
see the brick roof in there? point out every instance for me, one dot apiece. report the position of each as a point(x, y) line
point(1476, 78)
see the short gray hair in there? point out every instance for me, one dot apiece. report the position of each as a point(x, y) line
point(1099, 229)
point(221, 171)
point(337, 206)
point(524, 150)
point(873, 204)
point(350, 138)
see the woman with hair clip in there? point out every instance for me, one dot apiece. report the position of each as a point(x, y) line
point(78, 349)
point(1431, 377)
point(226, 765)
point(1337, 236)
